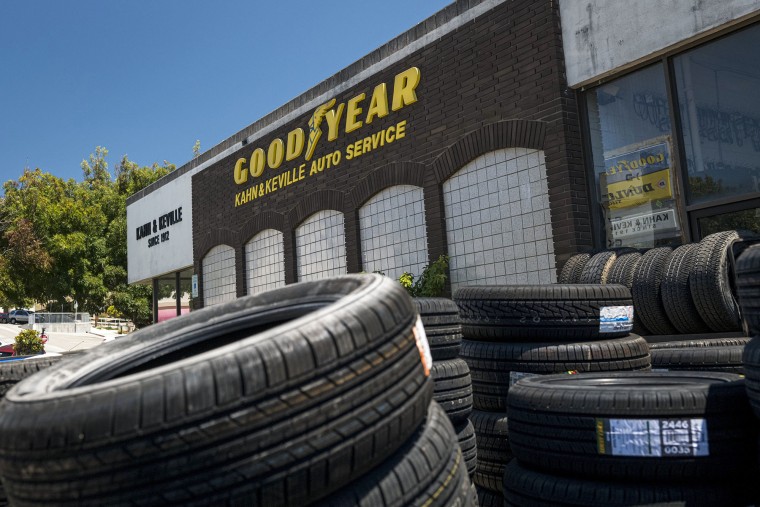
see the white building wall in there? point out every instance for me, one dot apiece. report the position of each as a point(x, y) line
point(601, 37)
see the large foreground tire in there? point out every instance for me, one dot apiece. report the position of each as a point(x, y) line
point(658, 426)
point(524, 487)
point(676, 295)
point(710, 283)
point(428, 470)
point(265, 400)
point(540, 312)
point(494, 367)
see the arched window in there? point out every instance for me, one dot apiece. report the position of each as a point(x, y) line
point(393, 234)
point(265, 261)
point(498, 224)
point(321, 246)
point(219, 275)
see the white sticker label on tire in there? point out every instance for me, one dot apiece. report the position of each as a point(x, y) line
point(614, 319)
point(423, 346)
point(663, 438)
point(514, 376)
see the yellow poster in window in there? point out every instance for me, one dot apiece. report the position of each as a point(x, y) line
point(639, 190)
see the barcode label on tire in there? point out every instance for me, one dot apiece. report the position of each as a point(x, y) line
point(614, 319)
point(664, 438)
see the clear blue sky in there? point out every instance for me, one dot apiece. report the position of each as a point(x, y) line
point(147, 78)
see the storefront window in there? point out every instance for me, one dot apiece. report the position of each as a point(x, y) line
point(744, 220)
point(631, 139)
point(719, 102)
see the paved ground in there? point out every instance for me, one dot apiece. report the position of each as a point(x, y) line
point(60, 342)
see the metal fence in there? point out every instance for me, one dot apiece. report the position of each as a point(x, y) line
point(58, 318)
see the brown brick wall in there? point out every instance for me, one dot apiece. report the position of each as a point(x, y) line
point(493, 83)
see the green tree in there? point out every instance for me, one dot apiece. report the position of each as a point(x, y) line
point(64, 240)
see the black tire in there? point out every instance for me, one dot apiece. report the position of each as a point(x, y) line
point(494, 367)
point(676, 295)
point(647, 301)
point(539, 312)
point(445, 342)
point(426, 470)
point(751, 361)
point(725, 359)
point(710, 283)
point(571, 271)
point(437, 311)
point(524, 487)
point(623, 269)
point(440, 317)
point(598, 268)
point(572, 424)
point(248, 401)
point(453, 387)
point(468, 443)
point(748, 287)
point(493, 448)
point(488, 498)
point(740, 341)
point(13, 321)
point(11, 372)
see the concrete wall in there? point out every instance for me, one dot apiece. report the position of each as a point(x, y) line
point(605, 36)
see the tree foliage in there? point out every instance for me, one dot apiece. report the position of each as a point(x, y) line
point(432, 281)
point(64, 241)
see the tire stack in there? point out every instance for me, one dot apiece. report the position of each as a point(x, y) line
point(600, 439)
point(317, 393)
point(451, 375)
point(517, 331)
point(748, 289)
point(686, 290)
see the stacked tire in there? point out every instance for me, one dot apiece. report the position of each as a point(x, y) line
point(686, 290)
point(748, 289)
point(451, 375)
point(314, 393)
point(520, 331)
point(599, 439)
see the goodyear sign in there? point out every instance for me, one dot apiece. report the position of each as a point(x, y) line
point(637, 177)
point(328, 121)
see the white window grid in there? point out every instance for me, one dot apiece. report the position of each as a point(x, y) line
point(265, 261)
point(393, 234)
point(219, 283)
point(321, 246)
point(498, 222)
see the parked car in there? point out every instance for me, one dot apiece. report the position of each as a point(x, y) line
point(19, 316)
point(4, 317)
